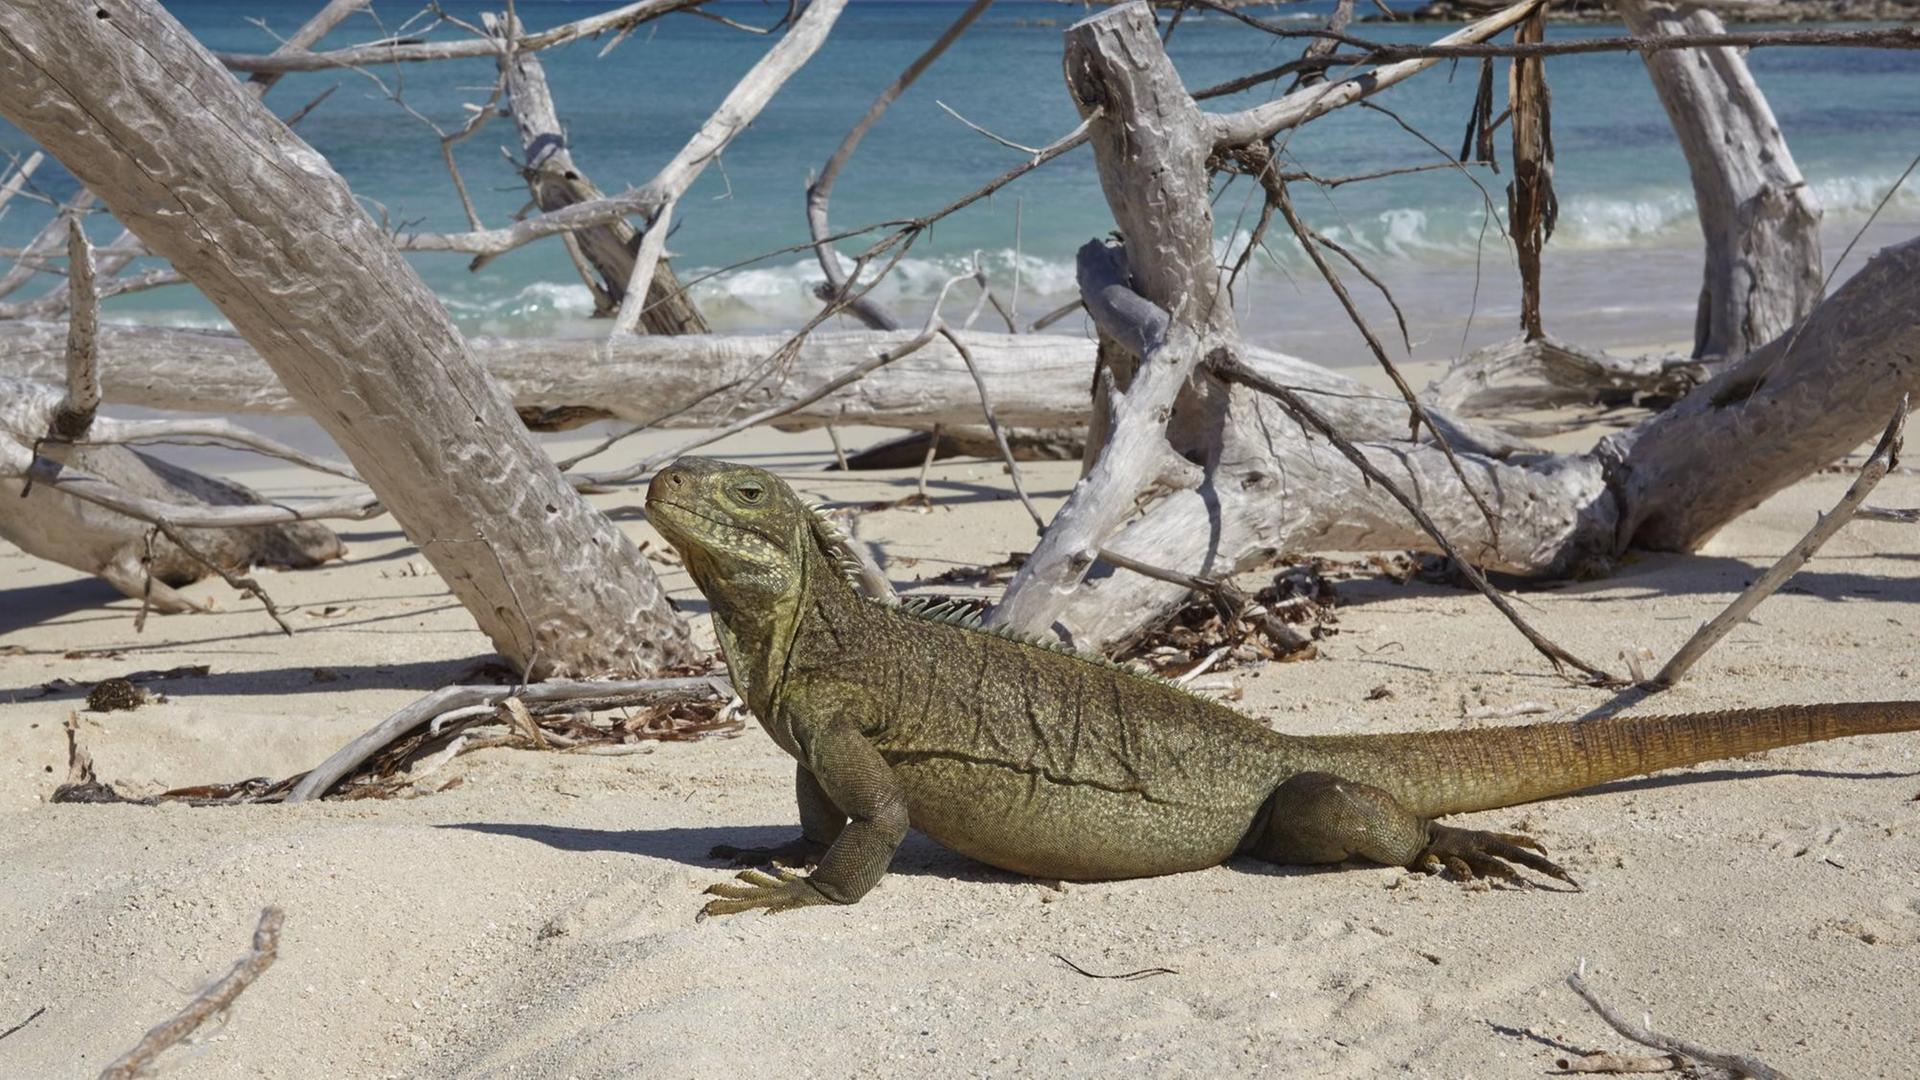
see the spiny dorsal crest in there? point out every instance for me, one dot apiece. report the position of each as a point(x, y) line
point(957, 611)
point(834, 542)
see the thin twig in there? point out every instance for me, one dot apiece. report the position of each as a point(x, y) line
point(1884, 457)
point(821, 189)
point(35, 1015)
point(1001, 139)
point(212, 1001)
point(926, 465)
point(240, 582)
point(1646, 1036)
point(993, 424)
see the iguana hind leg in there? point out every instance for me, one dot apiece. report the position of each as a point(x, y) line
point(1318, 818)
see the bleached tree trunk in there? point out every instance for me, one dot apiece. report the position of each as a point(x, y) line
point(1034, 380)
point(1761, 223)
point(556, 181)
point(1776, 415)
point(208, 179)
point(1268, 486)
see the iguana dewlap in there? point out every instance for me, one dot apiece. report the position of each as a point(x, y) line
point(1041, 761)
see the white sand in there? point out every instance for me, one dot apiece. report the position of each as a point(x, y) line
point(538, 919)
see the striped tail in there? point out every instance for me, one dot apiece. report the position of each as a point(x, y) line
point(1454, 772)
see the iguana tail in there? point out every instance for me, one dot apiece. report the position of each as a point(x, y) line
point(1453, 772)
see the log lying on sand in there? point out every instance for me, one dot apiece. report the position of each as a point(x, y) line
point(1034, 380)
point(53, 525)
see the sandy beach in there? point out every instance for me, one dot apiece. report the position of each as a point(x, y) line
point(537, 919)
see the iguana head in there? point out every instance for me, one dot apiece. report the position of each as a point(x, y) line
point(746, 537)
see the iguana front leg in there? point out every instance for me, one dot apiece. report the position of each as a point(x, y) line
point(1318, 818)
point(820, 824)
point(853, 777)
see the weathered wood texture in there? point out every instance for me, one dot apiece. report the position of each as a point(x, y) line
point(1776, 415)
point(1761, 223)
point(1548, 373)
point(556, 182)
point(211, 181)
point(1269, 487)
point(1034, 380)
point(50, 524)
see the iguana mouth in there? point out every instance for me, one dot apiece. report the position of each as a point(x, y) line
point(710, 519)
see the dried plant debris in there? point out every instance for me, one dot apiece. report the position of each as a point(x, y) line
point(568, 727)
point(584, 725)
point(994, 574)
point(1281, 622)
point(116, 696)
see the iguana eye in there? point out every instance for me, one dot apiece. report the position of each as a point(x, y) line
point(749, 493)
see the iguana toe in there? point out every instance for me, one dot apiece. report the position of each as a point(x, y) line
point(799, 851)
point(1471, 852)
point(781, 890)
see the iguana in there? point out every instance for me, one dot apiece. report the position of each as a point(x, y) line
point(1059, 765)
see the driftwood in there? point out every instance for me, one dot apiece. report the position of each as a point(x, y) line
point(1761, 223)
point(125, 552)
point(57, 436)
point(1791, 407)
point(803, 38)
point(1547, 373)
point(209, 1003)
point(556, 181)
point(450, 699)
point(1035, 380)
point(211, 181)
point(1776, 416)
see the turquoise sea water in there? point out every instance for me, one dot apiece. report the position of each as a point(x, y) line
point(1623, 267)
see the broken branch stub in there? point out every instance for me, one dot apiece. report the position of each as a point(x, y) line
point(1760, 220)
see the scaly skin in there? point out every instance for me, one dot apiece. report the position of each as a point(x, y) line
point(1063, 766)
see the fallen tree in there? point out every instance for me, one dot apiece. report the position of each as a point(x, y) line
point(695, 380)
point(1269, 485)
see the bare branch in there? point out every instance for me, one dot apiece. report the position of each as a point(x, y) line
point(1646, 1036)
point(451, 698)
point(1266, 120)
point(821, 189)
point(619, 19)
point(1884, 457)
point(211, 1002)
point(736, 111)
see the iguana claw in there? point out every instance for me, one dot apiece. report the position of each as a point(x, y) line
point(1468, 853)
point(781, 890)
point(799, 851)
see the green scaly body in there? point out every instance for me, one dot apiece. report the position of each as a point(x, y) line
point(1037, 760)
